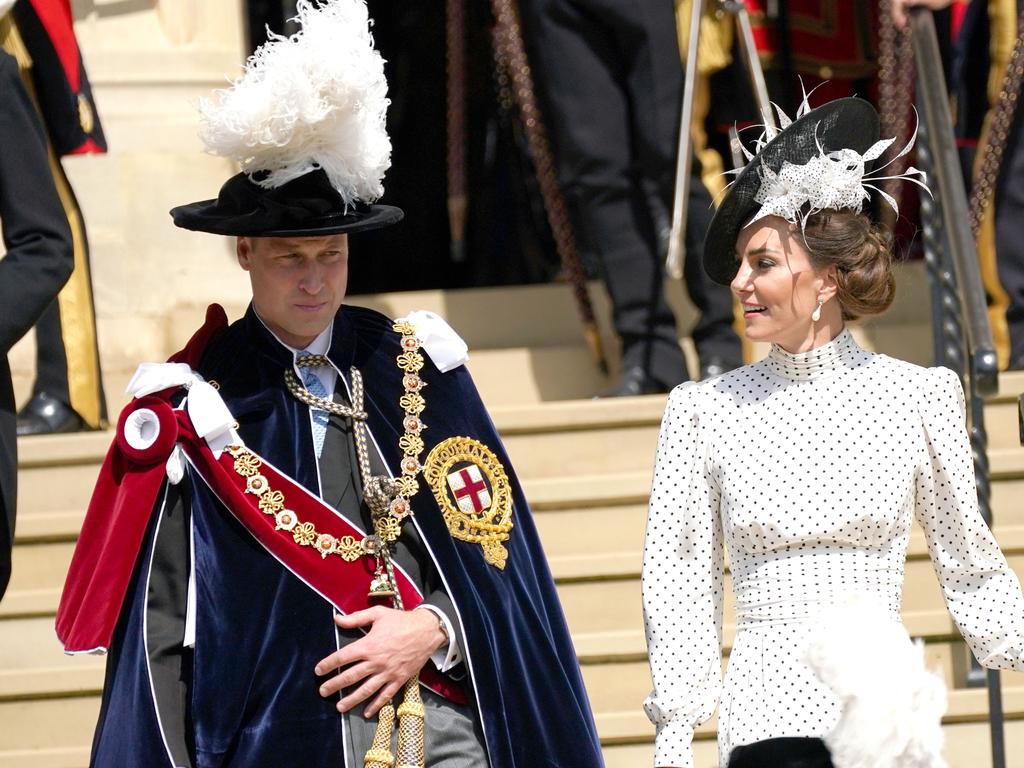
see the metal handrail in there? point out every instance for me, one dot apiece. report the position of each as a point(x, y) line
point(958, 296)
point(947, 181)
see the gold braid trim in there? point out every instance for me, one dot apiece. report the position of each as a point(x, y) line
point(10, 41)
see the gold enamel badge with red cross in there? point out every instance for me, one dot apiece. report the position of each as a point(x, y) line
point(473, 492)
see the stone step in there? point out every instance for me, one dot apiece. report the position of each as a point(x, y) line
point(583, 544)
point(586, 602)
point(544, 441)
point(965, 705)
point(629, 738)
point(591, 526)
point(562, 438)
point(48, 732)
point(530, 375)
point(610, 687)
point(33, 665)
point(1002, 420)
point(56, 733)
point(614, 662)
point(507, 318)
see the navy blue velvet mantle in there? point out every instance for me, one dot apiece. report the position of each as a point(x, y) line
point(525, 677)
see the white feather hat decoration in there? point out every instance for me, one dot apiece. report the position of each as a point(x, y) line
point(892, 705)
point(316, 99)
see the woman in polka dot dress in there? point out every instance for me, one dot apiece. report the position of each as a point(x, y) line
point(808, 467)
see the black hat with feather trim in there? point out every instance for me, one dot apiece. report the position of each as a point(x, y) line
point(306, 123)
point(813, 163)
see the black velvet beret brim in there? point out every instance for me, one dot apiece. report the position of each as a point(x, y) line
point(304, 207)
point(840, 124)
point(203, 217)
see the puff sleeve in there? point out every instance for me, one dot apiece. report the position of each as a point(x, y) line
point(981, 592)
point(682, 582)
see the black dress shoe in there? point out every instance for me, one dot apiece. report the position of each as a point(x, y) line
point(46, 415)
point(716, 366)
point(633, 382)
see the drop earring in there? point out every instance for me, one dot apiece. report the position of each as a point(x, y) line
point(816, 314)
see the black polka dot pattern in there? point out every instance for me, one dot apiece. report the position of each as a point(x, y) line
point(808, 469)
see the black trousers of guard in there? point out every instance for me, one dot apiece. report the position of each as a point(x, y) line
point(611, 78)
point(51, 357)
point(787, 752)
point(1009, 215)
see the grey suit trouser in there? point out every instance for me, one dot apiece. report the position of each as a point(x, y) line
point(452, 736)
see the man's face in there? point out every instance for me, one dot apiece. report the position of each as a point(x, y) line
point(298, 283)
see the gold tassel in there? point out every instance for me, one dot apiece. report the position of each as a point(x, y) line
point(411, 750)
point(379, 754)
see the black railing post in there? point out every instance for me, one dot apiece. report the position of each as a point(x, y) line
point(953, 267)
point(950, 340)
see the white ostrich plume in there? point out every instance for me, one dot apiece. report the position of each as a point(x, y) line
point(314, 100)
point(892, 705)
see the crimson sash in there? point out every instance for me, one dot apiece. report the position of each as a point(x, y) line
point(125, 495)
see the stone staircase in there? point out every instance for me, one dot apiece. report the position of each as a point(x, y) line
point(586, 468)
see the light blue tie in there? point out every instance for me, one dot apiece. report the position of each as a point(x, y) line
point(320, 417)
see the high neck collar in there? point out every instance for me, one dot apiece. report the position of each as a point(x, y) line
point(341, 348)
point(826, 360)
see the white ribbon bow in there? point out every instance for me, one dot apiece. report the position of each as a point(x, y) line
point(439, 340)
point(206, 409)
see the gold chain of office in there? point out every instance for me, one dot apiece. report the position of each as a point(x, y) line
point(388, 498)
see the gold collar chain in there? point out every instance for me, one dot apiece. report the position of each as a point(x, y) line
point(387, 497)
point(388, 500)
point(303, 395)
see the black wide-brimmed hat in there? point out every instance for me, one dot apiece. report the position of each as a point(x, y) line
point(306, 123)
point(848, 123)
point(307, 206)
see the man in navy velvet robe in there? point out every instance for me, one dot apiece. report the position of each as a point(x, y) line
point(232, 642)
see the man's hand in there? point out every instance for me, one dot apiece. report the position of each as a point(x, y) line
point(394, 649)
point(899, 8)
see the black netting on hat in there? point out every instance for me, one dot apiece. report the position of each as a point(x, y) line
point(841, 124)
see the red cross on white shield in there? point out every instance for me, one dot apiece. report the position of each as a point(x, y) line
point(470, 490)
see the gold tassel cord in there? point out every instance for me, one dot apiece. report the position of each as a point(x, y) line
point(411, 752)
point(510, 53)
point(10, 41)
point(379, 755)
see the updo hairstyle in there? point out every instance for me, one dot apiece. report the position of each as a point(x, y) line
point(862, 254)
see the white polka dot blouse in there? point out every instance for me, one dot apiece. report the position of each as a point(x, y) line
point(808, 470)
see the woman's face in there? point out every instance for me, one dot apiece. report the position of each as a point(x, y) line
point(778, 287)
